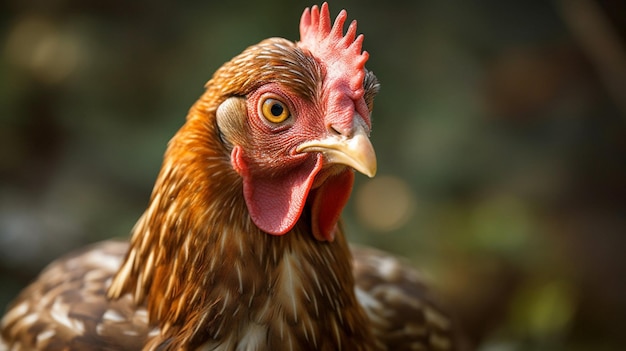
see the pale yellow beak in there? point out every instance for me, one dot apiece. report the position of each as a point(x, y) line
point(355, 151)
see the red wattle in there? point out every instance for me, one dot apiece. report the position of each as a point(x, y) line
point(327, 203)
point(276, 202)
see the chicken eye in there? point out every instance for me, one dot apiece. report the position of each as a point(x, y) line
point(274, 110)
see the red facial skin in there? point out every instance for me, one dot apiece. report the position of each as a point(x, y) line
point(278, 180)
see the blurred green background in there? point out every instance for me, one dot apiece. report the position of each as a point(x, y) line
point(500, 131)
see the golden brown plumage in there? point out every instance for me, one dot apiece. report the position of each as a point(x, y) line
point(207, 268)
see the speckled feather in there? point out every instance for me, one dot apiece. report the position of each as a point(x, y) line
point(198, 273)
point(67, 309)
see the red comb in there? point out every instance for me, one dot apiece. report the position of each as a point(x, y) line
point(342, 55)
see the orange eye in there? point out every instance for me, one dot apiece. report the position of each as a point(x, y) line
point(274, 110)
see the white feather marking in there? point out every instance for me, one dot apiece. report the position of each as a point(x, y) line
point(340, 315)
point(142, 315)
point(196, 295)
point(233, 215)
point(45, 335)
point(252, 295)
point(4, 347)
point(183, 299)
point(435, 317)
point(330, 297)
point(236, 310)
point(217, 332)
point(211, 268)
point(306, 332)
point(253, 337)
point(306, 295)
point(290, 282)
point(309, 322)
point(366, 300)
point(337, 334)
point(388, 267)
point(147, 234)
point(317, 312)
point(239, 275)
point(59, 311)
point(94, 275)
point(166, 327)
point(262, 316)
point(226, 299)
point(15, 313)
point(28, 320)
point(374, 309)
point(334, 276)
point(154, 332)
point(317, 281)
point(101, 259)
point(113, 316)
point(186, 245)
point(123, 275)
point(223, 240)
point(200, 323)
point(290, 342)
point(241, 250)
point(227, 344)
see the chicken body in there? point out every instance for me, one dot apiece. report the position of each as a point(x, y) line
point(241, 246)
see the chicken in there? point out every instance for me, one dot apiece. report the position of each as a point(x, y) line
point(241, 246)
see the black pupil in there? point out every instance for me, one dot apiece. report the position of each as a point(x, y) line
point(277, 109)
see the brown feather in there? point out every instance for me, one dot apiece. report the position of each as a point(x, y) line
point(66, 307)
point(404, 314)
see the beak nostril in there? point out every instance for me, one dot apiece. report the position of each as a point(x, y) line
point(335, 131)
point(347, 130)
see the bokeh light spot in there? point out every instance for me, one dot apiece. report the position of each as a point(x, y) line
point(385, 203)
point(39, 47)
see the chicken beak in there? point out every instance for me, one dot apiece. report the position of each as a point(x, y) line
point(355, 150)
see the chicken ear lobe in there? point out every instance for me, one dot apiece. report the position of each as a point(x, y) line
point(231, 122)
point(276, 202)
